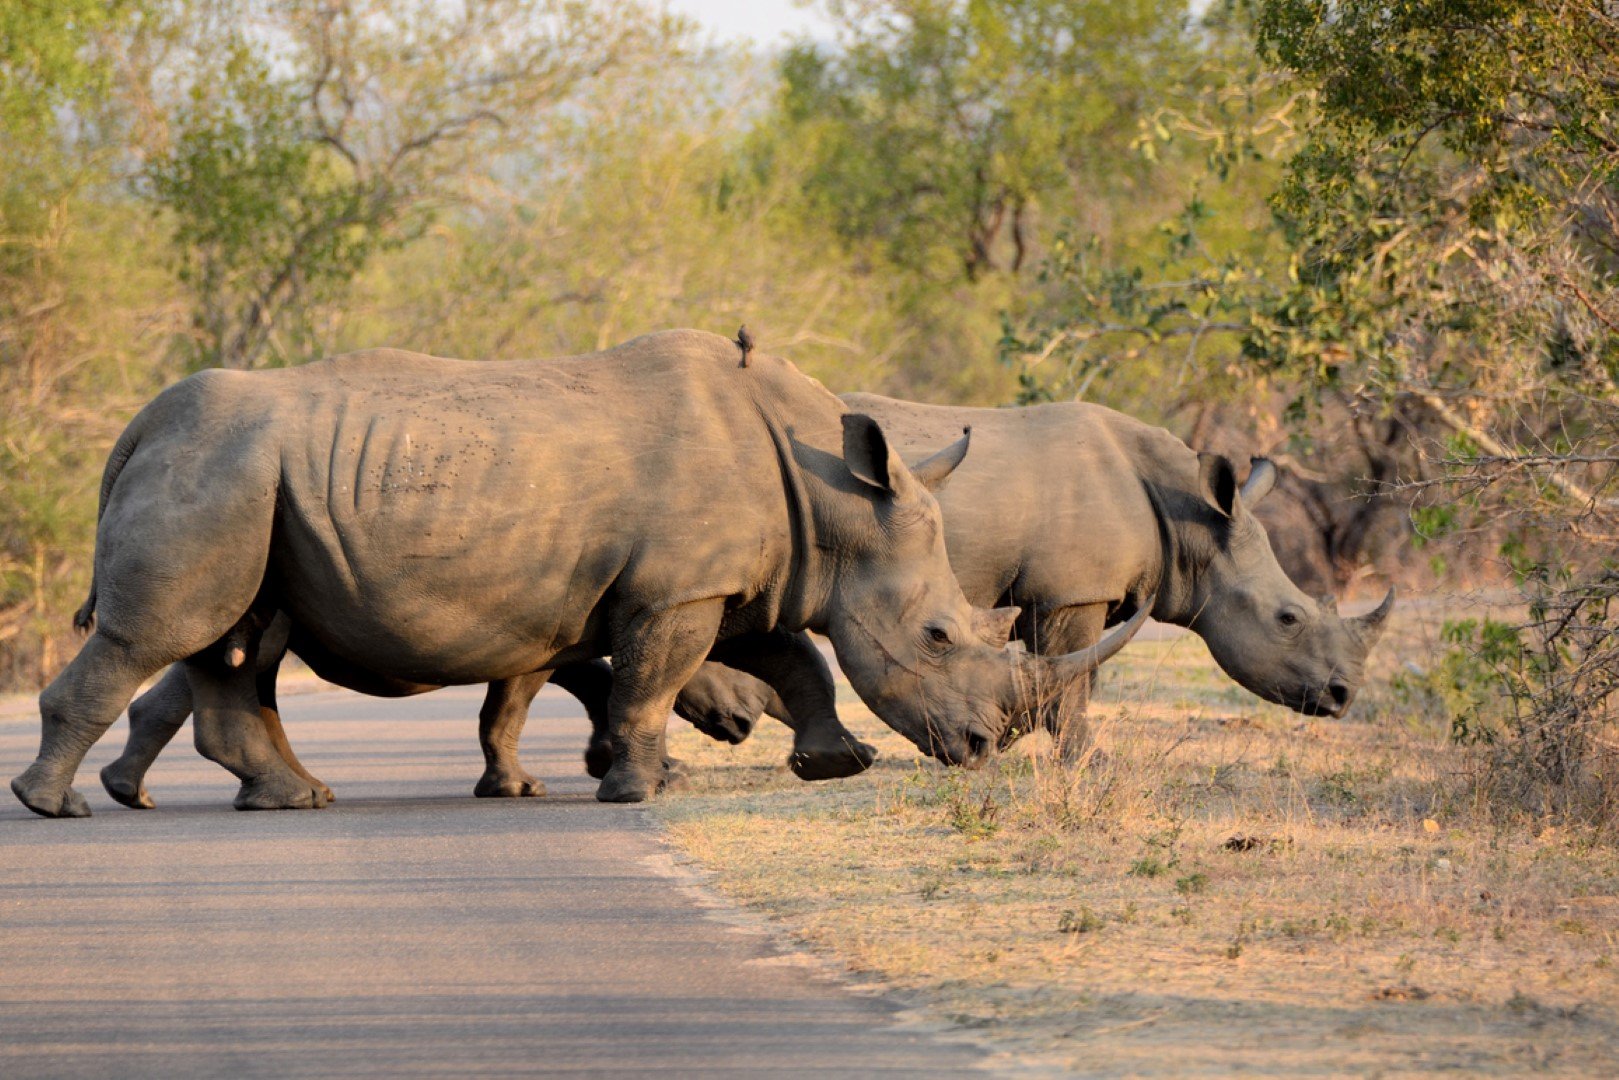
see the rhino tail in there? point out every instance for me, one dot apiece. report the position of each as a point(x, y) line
point(84, 620)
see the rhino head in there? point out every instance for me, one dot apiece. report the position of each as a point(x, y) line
point(1265, 633)
point(928, 663)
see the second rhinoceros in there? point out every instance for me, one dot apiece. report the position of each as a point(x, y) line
point(429, 522)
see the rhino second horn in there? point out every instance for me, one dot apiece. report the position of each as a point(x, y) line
point(1084, 661)
point(1369, 627)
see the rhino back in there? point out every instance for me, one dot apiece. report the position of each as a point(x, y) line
point(445, 521)
point(1049, 506)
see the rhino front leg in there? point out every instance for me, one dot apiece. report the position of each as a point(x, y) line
point(725, 704)
point(500, 726)
point(1054, 632)
point(591, 682)
point(229, 729)
point(792, 666)
point(154, 719)
point(653, 657)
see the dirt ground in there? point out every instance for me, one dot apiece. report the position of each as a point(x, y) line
point(1228, 888)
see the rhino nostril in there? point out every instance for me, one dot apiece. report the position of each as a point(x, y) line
point(1340, 694)
point(978, 748)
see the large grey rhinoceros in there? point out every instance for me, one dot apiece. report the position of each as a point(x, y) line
point(431, 522)
point(1081, 515)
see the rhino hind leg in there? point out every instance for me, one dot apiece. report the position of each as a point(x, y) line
point(154, 719)
point(270, 716)
point(229, 730)
point(76, 710)
point(500, 726)
point(653, 658)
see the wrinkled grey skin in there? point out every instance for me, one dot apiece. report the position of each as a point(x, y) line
point(1079, 513)
point(427, 522)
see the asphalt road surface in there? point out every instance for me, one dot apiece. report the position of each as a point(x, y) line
point(409, 929)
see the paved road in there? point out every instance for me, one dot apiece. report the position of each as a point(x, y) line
point(407, 930)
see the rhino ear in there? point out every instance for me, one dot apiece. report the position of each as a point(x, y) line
point(935, 470)
point(1261, 478)
point(869, 457)
point(993, 626)
point(1217, 482)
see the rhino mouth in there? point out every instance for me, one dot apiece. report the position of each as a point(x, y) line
point(1332, 700)
point(971, 749)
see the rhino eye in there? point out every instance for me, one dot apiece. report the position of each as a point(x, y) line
point(939, 635)
point(1288, 618)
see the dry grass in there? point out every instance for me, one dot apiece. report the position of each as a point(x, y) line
point(1228, 887)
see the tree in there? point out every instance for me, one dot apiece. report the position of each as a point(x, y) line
point(937, 128)
point(313, 134)
point(1455, 218)
point(1447, 226)
point(65, 273)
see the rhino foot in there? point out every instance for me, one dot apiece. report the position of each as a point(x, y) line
point(48, 797)
point(598, 759)
point(733, 728)
point(126, 789)
point(627, 785)
point(844, 759)
point(508, 784)
point(288, 792)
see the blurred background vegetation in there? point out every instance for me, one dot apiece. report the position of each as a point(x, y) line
point(1374, 240)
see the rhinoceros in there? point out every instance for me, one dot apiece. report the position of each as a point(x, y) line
point(1084, 517)
point(427, 522)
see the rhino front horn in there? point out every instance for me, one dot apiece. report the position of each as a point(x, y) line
point(1369, 627)
point(1084, 661)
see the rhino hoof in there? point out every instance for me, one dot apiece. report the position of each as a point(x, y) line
point(279, 793)
point(516, 784)
point(132, 793)
point(48, 799)
point(625, 786)
point(848, 759)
